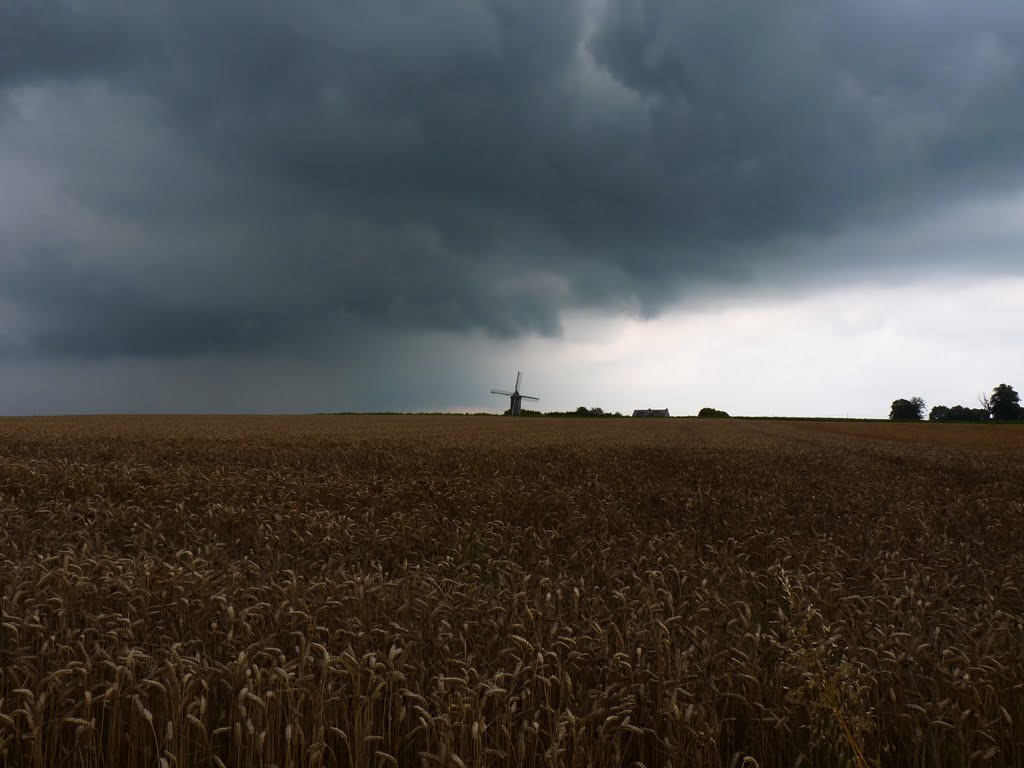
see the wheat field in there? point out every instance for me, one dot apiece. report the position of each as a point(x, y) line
point(477, 591)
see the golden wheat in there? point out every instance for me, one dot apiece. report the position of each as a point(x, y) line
point(475, 592)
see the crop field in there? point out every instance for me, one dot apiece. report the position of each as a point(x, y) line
point(482, 591)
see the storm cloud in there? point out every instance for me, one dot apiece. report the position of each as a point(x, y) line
point(190, 177)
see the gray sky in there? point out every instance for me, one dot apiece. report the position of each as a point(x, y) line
point(794, 208)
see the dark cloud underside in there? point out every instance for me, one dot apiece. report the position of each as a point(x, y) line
point(189, 177)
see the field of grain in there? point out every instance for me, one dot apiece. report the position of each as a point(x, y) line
point(474, 591)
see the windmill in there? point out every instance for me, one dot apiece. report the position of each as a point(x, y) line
point(516, 400)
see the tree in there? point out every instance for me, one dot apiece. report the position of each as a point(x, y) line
point(939, 413)
point(910, 410)
point(1004, 404)
point(711, 413)
point(986, 402)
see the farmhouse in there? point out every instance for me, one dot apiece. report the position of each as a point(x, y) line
point(648, 412)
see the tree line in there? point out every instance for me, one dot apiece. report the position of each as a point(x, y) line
point(580, 413)
point(1002, 405)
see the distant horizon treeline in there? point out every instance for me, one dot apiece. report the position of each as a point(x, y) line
point(580, 413)
point(598, 413)
point(1002, 405)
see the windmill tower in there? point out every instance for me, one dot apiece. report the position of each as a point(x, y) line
point(515, 399)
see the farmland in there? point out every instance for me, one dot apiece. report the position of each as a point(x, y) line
point(477, 591)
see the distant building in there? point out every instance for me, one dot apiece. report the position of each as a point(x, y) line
point(648, 412)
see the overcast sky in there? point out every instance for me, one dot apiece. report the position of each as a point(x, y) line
point(796, 207)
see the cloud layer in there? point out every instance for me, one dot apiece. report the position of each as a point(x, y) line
point(186, 178)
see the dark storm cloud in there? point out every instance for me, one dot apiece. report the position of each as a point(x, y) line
point(229, 176)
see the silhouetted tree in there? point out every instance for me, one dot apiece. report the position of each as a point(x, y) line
point(1004, 403)
point(711, 413)
point(939, 413)
point(985, 401)
point(912, 409)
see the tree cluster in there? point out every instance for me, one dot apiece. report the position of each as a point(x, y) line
point(958, 413)
point(1002, 405)
point(907, 410)
point(711, 413)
